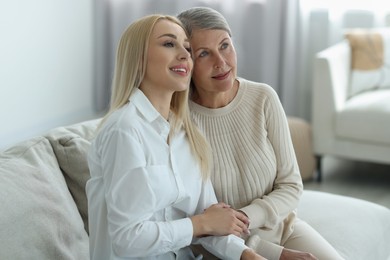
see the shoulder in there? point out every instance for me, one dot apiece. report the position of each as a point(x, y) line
point(256, 90)
point(122, 121)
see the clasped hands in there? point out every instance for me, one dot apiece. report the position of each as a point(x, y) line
point(224, 220)
point(221, 220)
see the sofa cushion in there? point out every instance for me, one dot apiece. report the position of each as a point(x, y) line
point(357, 229)
point(366, 117)
point(370, 60)
point(39, 219)
point(70, 145)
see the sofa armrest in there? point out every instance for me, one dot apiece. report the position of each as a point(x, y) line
point(330, 91)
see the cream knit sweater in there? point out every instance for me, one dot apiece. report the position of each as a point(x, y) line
point(255, 167)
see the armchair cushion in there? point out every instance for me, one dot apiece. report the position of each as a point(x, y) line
point(365, 117)
point(370, 59)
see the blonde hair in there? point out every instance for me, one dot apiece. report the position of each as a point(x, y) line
point(130, 67)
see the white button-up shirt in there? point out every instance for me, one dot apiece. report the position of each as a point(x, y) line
point(143, 190)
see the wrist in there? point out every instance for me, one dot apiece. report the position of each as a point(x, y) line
point(247, 254)
point(199, 227)
point(250, 254)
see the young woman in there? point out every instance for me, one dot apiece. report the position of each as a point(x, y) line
point(149, 196)
point(255, 168)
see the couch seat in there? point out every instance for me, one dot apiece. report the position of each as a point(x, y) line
point(366, 117)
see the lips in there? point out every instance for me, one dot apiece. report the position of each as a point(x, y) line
point(222, 76)
point(181, 69)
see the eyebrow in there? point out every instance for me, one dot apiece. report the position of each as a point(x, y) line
point(168, 35)
point(171, 36)
point(200, 48)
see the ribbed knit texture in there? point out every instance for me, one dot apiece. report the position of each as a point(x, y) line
point(255, 168)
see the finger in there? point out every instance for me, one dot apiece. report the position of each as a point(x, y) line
point(224, 205)
point(219, 205)
point(242, 217)
point(244, 228)
point(240, 231)
point(237, 233)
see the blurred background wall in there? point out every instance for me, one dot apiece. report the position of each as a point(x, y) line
point(46, 66)
point(56, 56)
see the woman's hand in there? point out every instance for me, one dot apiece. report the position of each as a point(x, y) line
point(250, 254)
point(294, 254)
point(220, 220)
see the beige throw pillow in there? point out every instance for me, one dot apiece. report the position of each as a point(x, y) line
point(38, 219)
point(71, 144)
point(370, 59)
point(71, 151)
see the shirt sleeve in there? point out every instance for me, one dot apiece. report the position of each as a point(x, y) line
point(274, 207)
point(131, 201)
point(224, 247)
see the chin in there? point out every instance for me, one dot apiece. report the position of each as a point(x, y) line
point(182, 87)
point(226, 85)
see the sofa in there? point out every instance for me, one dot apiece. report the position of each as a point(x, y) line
point(44, 208)
point(350, 98)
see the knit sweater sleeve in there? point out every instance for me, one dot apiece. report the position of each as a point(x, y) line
point(275, 206)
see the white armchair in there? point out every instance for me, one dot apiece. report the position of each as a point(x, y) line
point(356, 128)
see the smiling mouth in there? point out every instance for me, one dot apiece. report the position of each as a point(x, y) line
point(222, 76)
point(179, 70)
point(182, 70)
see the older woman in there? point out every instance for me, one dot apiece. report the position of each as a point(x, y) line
point(255, 168)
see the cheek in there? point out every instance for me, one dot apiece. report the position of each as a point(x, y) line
point(232, 58)
point(198, 75)
point(197, 70)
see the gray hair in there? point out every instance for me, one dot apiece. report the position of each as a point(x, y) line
point(203, 18)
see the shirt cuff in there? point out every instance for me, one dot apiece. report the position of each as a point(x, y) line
point(235, 249)
point(182, 232)
point(224, 247)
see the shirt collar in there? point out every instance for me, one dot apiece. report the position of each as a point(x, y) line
point(143, 105)
point(147, 110)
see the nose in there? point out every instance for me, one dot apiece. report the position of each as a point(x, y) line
point(184, 54)
point(219, 61)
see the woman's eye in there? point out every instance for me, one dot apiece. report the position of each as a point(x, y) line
point(203, 54)
point(224, 45)
point(169, 44)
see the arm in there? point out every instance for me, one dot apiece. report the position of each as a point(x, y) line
point(274, 206)
point(288, 254)
point(128, 183)
point(250, 254)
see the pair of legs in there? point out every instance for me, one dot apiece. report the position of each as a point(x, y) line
point(307, 239)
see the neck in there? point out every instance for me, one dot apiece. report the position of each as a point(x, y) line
point(215, 99)
point(161, 101)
